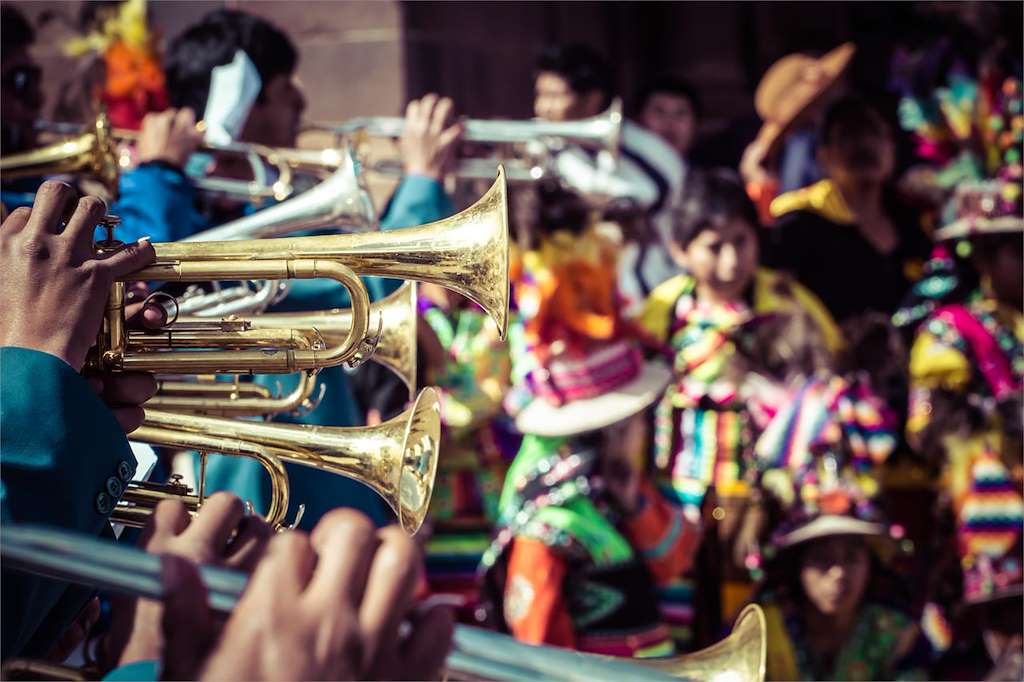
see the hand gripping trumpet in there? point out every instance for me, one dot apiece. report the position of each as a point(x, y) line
point(476, 654)
point(466, 253)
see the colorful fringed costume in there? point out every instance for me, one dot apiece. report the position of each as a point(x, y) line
point(704, 433)
point(567, 571)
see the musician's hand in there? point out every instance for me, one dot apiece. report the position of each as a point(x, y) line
point(329, 606)
point(220, 534)
point(124, 392)
point(54, 289)
point(169, 136)
point(429, 138)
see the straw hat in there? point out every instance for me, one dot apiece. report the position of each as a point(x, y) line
point(791, 86)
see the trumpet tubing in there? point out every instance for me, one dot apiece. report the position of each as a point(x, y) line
point(231, 399)
point(394, 316)
point(397, 458)
point(603, 131)
point(475, 654)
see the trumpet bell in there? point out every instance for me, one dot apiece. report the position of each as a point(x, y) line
point(397, 458)
point(339, 201)
point(92, 153)
point(467, 253)
point(740, 657)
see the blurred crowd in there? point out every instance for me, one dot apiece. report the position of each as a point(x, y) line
point(793, 381)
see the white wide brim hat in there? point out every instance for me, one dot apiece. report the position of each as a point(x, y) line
point(828, 525)
point(541, 418)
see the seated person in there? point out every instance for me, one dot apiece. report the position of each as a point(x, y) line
point(832, 607)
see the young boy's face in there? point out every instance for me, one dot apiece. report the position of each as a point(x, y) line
point(722, 260)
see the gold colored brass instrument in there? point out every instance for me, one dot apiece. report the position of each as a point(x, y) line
point(139, 499)
point(475, 653)
point(397, 458)
point(393, 316)
point(467, 253)
point(91, 153)
point(232, 398)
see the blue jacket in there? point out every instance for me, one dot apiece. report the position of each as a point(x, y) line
point(64, 462)
point(157, 201)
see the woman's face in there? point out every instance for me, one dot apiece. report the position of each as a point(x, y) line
point(834, 573)
point(722, 260)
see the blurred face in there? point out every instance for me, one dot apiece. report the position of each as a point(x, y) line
point(722, 260)
point(626, 441)
point(672, 117)
point(276, 116)
point(21, 100)
point(555, 100)
point(834, 573)
point(865, 157)
point(1001, 264)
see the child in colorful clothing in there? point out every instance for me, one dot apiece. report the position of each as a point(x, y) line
point(704, 433)
point(583, 536)
point(828, 596)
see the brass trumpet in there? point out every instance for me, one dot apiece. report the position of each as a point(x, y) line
point(534, 142)
point(395, 318)
point(92, 153)
point(394, 347)
point(467, 253)
point(397, 458)
point(233, 398)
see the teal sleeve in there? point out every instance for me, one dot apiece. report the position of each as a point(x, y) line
point(139, 671)
point(417, 200)
point(64, 461)
point(158, 201)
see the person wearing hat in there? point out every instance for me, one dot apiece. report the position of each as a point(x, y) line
point(789, 99)
point(583, 536)
point(967, 371)
point(831, 603)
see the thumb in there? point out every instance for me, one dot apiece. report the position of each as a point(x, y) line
point(187, 621)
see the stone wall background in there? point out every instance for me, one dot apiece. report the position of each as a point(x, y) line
point(370, 56)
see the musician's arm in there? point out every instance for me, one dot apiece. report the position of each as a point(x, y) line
point(157, 200)
point(64, 461)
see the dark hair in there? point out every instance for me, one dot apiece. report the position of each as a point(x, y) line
point(582, 67)
point(669, 85)
point(15, 30)
point(851, 117)
point(711, 199)
point(213, 42)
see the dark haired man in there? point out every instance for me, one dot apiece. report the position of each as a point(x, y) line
point(238, 73)
point(574, 82)
point(670, 107)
